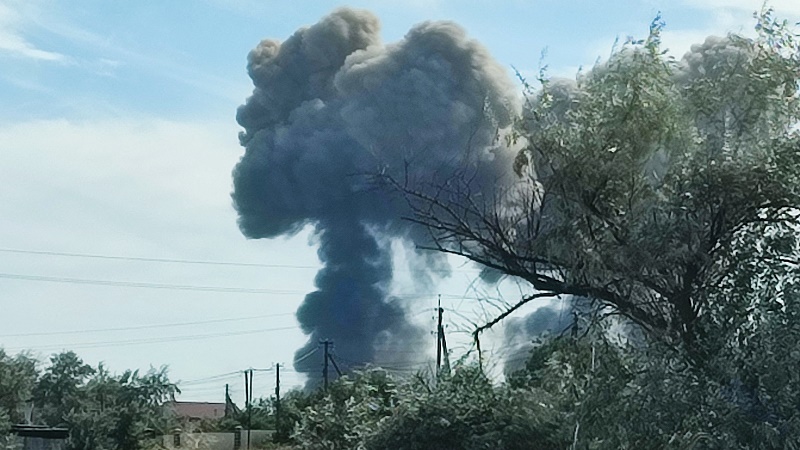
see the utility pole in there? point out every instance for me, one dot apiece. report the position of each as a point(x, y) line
point(278, 399)
point(439, 335)
point(248, 400)
point(326, 357)
point(227, 401)
point(444, 350)
point(480, 354)
point(246, 391)
point(335, 366)
point(250, 413)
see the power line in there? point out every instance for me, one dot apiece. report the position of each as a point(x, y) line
point(306, 356)
point(219, 388)
point(135, 284)
point(158, 260)
point(221, 376)
point(152, 340)
point(143, 327)
point(197, 262)
point(223, 289)
point(408, 366)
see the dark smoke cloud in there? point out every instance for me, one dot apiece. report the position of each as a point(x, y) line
point(331, 104)
point(553, 319)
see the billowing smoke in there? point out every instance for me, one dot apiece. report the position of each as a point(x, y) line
point(331, 106)
point(521, 334)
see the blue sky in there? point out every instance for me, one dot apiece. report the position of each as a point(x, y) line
point(117, 138)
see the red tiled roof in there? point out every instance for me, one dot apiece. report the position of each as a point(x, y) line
point(198, 410)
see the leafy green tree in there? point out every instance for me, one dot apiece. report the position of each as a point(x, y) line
point(100, 409)
point(466, 411)
point(341, 417)
point(17, 379)
point(613, 395)
point(293, 404)
point(462, 410)
point(647, 185)
point(117, 410)
point(667, 192)
point(59, 390)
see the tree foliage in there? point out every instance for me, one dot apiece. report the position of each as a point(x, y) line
point(465, 410)
point(115, 411)
point(667, 193)
point(648, 185)
point(343, 416)
point(59, 390)
point(102, 411)
point(18, 376)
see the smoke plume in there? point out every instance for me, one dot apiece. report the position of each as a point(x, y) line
point(521, 334)
point(332, 105)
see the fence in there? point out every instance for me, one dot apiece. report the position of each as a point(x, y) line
point(232, 440)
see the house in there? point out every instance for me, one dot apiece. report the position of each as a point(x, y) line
point(197, 411)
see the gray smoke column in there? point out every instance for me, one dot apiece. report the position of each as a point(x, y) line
point(331, 105)
point(521, 334)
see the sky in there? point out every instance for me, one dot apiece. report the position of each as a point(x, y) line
point(118, 238)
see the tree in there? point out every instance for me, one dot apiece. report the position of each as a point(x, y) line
point(293, 404)
point(59, 390)
point(467, 411)
point(344, 415)
point(462, 410)
point(100, 409)
point(116, 411)
point(17, 378)
point(665, 192)
point(653, 187)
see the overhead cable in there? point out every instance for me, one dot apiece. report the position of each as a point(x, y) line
point(143, 327)
point(153, 340)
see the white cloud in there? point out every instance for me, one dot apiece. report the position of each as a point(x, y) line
point(151, 188)
point(12, 41)
point(782, 7)
point(144, 164)
point(138, 187)
point(727, 16)
point(680, 42)
point(724, 17)
point(110, 56)
point(16, 45)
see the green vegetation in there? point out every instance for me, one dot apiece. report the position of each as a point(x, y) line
point(665, 193)
point(101, 410)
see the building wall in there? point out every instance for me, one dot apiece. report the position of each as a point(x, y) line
point(38, 443)
point(216, 441)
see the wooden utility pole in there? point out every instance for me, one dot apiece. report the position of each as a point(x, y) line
point(445, 355)
point(278, 399)
point(335, 366)
point(439, 337)
point(248, 400)
point(480, 354)
point(326, 358)
point(227, 401)
point(246, 391)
